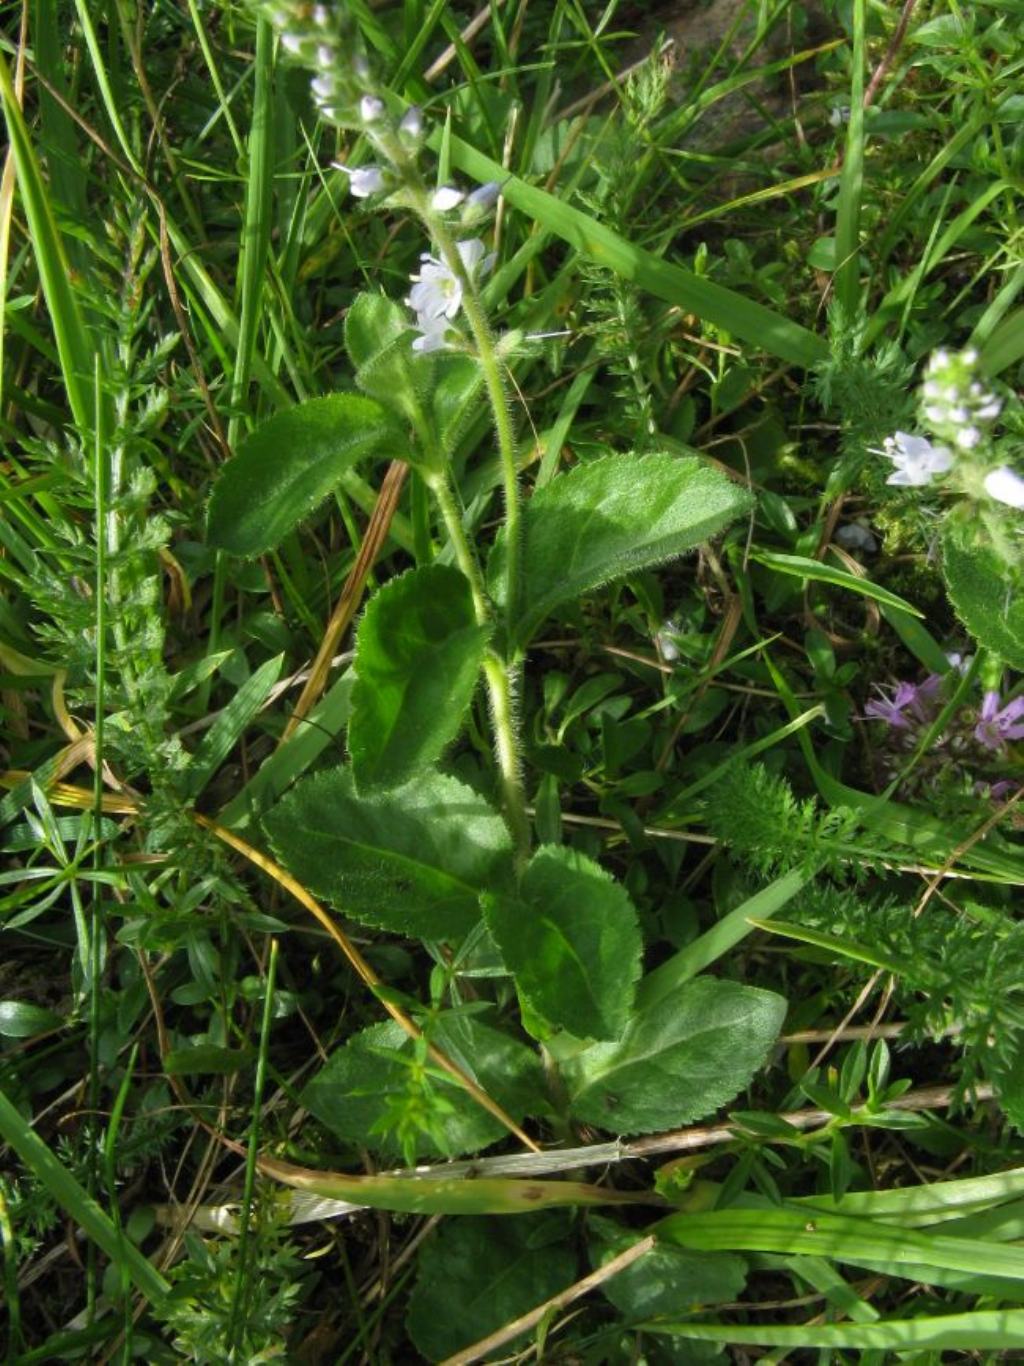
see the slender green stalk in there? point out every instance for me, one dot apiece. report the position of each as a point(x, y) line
point(245, 1213)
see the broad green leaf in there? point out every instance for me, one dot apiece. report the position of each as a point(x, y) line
point(571, 940)
point(418, 654)
point(361, 1083)
point(681, 1059)
point(378, 338)
point(288, 466)
point(460, 380)
point(668, 1279)
point(477, 1274)
point(606, 519)
point(23, 1020)
point(983, 592)
point(413, 860)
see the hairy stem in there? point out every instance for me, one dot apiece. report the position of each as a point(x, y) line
point(496, 670)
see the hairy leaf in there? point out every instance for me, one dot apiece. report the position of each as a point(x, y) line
point(286, 467)
point(572, 942)
point(368, 1078)
point(413, 860)
point(477, 1274)
point(418, 654)
point(378, 338)
point(983, 591)
point(606, 519)
point(679, 1060)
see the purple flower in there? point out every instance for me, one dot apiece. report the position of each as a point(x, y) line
point(891, 709)
point(997, 725)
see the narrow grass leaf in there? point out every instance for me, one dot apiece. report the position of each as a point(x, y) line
point(78, 1204)
point(229, 725)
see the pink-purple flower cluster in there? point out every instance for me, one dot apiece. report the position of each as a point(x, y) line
point(912, 706)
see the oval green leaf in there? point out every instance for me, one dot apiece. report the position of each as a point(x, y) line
point(418, 655)
point(610, 518)
point(572, 941)
point(982, 590)
point(681, 1059)
point(289, 464)
point(413, 860)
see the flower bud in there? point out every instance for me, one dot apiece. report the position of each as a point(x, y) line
point(445, 197)
point(370, 108)
point(411, 125)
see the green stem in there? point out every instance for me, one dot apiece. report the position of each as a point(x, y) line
point(487, 355)
point(496, 670)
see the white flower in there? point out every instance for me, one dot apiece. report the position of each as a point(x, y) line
point(324, 87)
point(412, 122)
point(1005, 486)
point(325, 56)
point(320, 16)
point(434, 332)
point(363, 181)
point(838, 115)
point(293, 43)
point(370, 108)
point(446, 198)
point(917, 461)
point(990, 408)
point(437, 291)
point(967, 438)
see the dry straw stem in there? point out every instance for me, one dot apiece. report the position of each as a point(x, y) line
point(351, 594)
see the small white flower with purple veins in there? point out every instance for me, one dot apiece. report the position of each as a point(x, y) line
point(916, 460)
point(437, 291)
point(1005, 486)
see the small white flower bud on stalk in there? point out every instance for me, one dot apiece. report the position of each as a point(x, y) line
point(411, 125)
point(363, 181)
point(445, 198)
point(370, 108)
point(1005, 486)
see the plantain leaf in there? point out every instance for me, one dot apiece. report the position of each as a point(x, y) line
point(369, 1078)
point(667, 1280)
point(413, 860)
point(418, 654)
point(477, 1274)
point(571, 940)
point(607, 519)
point(680, 1059)
point(286, 467)
point(983, 591)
